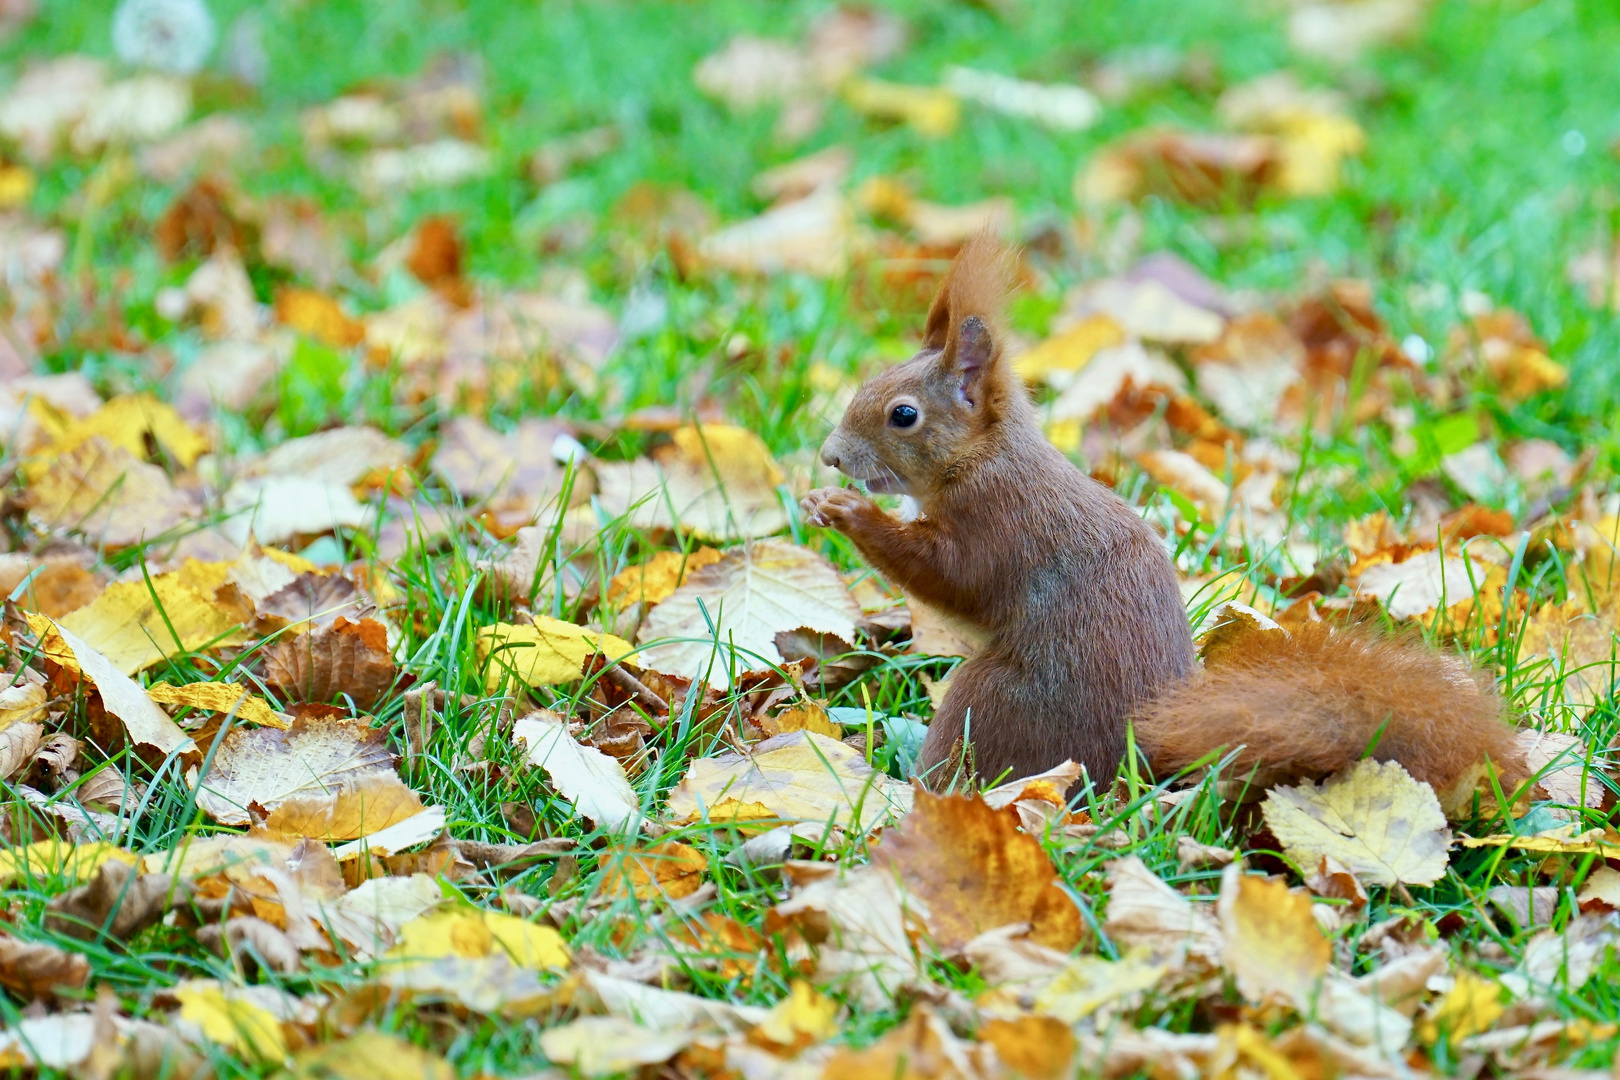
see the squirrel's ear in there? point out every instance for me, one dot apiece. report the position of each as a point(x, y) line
point(938, 327)
point(971, 355)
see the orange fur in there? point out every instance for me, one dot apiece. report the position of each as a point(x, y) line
point(1311, 703)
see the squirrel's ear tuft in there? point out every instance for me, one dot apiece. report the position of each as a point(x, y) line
point(977, 284)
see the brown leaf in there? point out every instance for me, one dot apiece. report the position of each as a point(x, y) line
point(436, 251)
point(35, 969)
point(57, 584)
point(479, 462)
point(19, 743)
point(200, 220)
point(266, 943)
point(296, 237)
point(312, 601)
point(976, 870)
point(344, 658)
point(107, 495)
point(118, 898)
point(1200, 168)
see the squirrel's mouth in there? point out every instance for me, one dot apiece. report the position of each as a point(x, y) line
point(883, 485)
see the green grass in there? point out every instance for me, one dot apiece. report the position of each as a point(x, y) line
point(1466, 184)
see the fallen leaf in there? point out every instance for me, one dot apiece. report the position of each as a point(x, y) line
point(234, 1022)
point(664, 1009)
point(275, 509)
point(669, 870)
point(1056, 360)
point(218, 697)
point(38, 969)
point(1339, 32)
point(479, 462)
point(804, 1017)
point(654, 580)
point(593, 781)
point(545, 653)
point(1274, 948)
point(1565, 960)
point(922, 1048)
point(265, 767)
point(860, 923)
point(136, 624)
point(367, 1055)
point(931, 112)
point(144, 722)
point(64, 1041)
point(354, 810)
point(749, 597)
point(1087, 983)
point(975, 869)
point(1377, 821)
point(811, 235)
point(1062, 107)
point(1145, 913)
point(1204, 169)
point(753, 71)
point(798, 776)
point(475, 933)
point(107, 495)
point(610, 1045)
point(78, 863)
point(118, 900)
point(1472, 1005)
point(369, 916)
point(348, 659)
point(1580, 645)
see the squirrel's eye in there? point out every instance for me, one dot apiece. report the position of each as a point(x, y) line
point(903, 416)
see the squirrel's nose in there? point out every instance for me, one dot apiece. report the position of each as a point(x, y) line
point(829, 458)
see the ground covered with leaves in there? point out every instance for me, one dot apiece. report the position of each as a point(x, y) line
point(414, 660)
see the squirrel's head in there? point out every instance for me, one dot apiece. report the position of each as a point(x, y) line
point(912, 424)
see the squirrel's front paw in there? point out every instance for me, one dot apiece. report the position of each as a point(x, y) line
point(832, 507)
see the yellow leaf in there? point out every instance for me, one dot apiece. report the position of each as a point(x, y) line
point(799, 776)
point(49, 858)
point(1071, 350)
point(545, 653)
point(1563, 840)
point(474, 934)
point(1471, 1006)
point(670, 870)
point(1087, 983)
point(804, 1017)
point(143, 720)
point(135, 626)
point(811, 717)
point(236, 1024)
point(107, 494)
point(931, 111)
point(654, 580)
point(16, 185)
point(350, 812)
point(296, 563)
point(1314, 145)
point(218, 697)
point(367, 1055)
point(1375, 819)
point(1274, 948)
point(126, 422)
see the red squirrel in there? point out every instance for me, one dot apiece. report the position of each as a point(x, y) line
point(1078, 598)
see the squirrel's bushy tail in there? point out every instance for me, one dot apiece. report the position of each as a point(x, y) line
point(1310, 703)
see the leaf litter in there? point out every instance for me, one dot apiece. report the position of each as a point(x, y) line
point(659, 809)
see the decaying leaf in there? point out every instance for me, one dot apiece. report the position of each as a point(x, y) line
point(218, 697)
point(1145, 913)
point(716, 480)
point(922, 1048)
point(1274, 947)
point(368, 1055)
point(546, 652)
point(797, 776)
point(975, 869)
point(145, 723)
point(118, 900)
point(474, 933)
point(593, 781)
point(1374, 819)
point(610, 1045)
point(731, 611)
point(135, 624)
point(37, 969)
point(356, 809)
point(861, 925)
point(344, 659)
point(264, 767)
point(669, 870)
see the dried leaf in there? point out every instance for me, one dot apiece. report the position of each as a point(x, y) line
point(351, 659)
point(145, 723)
point(275, 509)
point(368, 1055)
point(922, 1048)
point(975, 869)
point(265, 767)
point(610, 1045)
point(594, 782)
point(218, 697)
point(136, 624)
point(798, 776)
point(474, 933)
point(107, 495)
point(1374, 819)
point(750, 596)
point(1274, 948)
point(860, 922)
point(481, 463)
point(811, 235)
point(1087, 983)
point(1145, 913)
point(668, 870)
point(118, 899)
point(1472, 1005)
point(234, 1021)
point(653, 581)
point(356, 809)
point(50, 858)
point(37, 969)
point(545, 653)
point(931, 111)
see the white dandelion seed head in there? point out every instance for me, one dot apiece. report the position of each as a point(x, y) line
point(174, 36)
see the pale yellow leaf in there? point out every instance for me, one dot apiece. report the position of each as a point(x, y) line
point(1274, 948)
point(545, 653)
point(593, 781)
point(78, 863)
point(476, 933)
point(798, 776)
point(610, 1045)
point(233, 1022)
point(1386, 827)
point(135, 624)
point(750, 596)
point(1087, 983)
point(143, 720)
point(218, 697)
